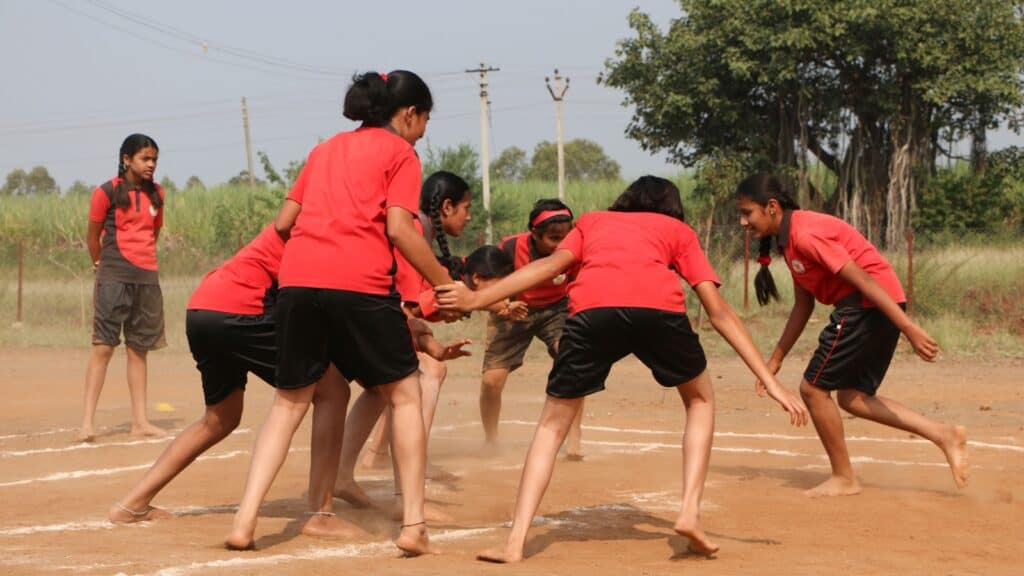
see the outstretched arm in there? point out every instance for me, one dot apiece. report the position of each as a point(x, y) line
point(925, 346)
point(460, 297)
point(728, 324)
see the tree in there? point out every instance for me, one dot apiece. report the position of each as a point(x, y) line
point(35, 181)
point(242, 179)
point(194, 183)
point(78, 188)
point(460, 160)
point(584, 160)
point(291, 172)
point(511, 164)
point(867, 87)
point(168, 185)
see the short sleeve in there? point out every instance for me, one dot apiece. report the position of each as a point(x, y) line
point(298, 191)
point(690, 261)
point(158, 221)
point(99, 205)
point(403, 185)
point(826, 251)
point(428, 306)
point(573, 242)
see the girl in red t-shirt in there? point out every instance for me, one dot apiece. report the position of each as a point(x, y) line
point(831, 262)
point(444, 208)
point(627, 299)
point(125, 217)
point(352, 205)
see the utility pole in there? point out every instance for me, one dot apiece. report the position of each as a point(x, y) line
point(248, 143)
point(485, 153)
point(561, 89)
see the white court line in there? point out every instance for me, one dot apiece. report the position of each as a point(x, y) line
point(66, 527)
point(43, 433)
point(94, 445)
point(75, 474)
point(347, 551)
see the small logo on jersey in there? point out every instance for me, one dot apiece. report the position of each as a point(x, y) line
point(153, 211)
point(558, 280)
point(798, 266)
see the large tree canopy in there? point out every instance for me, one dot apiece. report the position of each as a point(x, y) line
point(870, 88)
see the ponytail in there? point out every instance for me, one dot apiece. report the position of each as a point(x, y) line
point(373, 98)
point(762, 188)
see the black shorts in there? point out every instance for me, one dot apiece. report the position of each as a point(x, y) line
point(138, 309)
point(595, 339)
point(226, 347)
point(854, 350)
point(365, 335)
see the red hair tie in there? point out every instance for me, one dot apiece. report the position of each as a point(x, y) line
point(764, 260)
point(384, 76)
point(549, 214)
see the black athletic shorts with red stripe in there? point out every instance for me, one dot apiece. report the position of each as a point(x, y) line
point(854, 350)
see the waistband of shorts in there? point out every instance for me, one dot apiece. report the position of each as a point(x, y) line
point(853, 300)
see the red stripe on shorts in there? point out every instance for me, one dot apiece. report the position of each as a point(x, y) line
point(839, 332)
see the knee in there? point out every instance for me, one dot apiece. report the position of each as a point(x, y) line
point(222, 423)
point(810, 392)
point(847, 399)
point(103, 352)
point(492, 383)
point(434, 369)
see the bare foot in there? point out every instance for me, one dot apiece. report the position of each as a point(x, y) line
point(239, 543)
point(330, 526)
point(955, 448)
point(574, 457)
point(431, 513)
point(439, 474)
point(413, 540)
point(373, 460)
point(148, 429)
point(87, 434)
point(501, 555)
point(352, 493)
point(834, 486)
point(699, 542)
point(120, 514)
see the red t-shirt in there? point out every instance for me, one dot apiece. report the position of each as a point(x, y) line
point(817, 245)
point(128, 241)
point(339, 240)
point(634, 259)
point(245, 284)
point(520, 249)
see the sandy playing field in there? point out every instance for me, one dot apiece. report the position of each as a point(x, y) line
point(610, 514)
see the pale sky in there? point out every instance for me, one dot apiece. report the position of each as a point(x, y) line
point(79, 77)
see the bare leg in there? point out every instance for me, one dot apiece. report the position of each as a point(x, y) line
point(330, 400)
point(432, 375)
point(555, 420)
point(378, 451)
point(490, 402)
point(95, 374)
point(699, 399)
point(574, 442)
point(951, 439)
point(409, 446)
point(829, 424)
point(366, 410)
point(217, 423)
point(268, 455)
point(141, 425)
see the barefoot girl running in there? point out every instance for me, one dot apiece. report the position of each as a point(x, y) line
point(353, 204)
point(125, 217)
point(230, 327)
point(831, 262)
point(627, 299)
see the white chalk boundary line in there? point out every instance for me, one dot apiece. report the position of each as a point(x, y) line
point(348, 551)
point(76, 474)
point(98, 445)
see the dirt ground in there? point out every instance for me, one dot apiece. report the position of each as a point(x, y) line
point(610, 514)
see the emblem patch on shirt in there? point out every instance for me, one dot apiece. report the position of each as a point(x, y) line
point(558, 280)
point(152, 211)
point(798, 266)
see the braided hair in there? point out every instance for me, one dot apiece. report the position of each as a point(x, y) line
point(437, 188)
point(761, 188)
point(130, 147)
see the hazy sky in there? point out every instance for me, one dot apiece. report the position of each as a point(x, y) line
point(79, 77)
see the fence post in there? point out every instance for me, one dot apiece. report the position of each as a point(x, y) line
point(21, 281)
point(746, 270)
point(910, 270)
